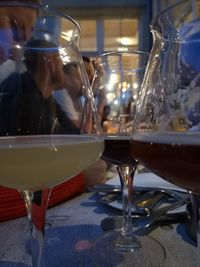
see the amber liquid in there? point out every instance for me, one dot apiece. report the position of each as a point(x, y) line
point(174, 157)
point(118, 150)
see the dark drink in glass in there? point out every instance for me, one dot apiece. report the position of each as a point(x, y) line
point(118, 150)
point(173, 156)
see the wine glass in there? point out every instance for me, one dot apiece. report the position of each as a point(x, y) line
point(40, 146)
point(166, 135)
point(121, 77)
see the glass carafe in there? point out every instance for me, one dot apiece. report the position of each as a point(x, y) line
point(166, 137)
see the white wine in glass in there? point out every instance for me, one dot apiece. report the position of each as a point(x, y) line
point(40, 146)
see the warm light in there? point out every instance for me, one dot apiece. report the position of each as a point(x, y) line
point(112, 81)
point(125, 86)
point(116, 102)
point(135, 85)
point(110, 97)
point(122, 49)
point(63, 55)
point(127, 41)
point(66, 35)
point(47, 37)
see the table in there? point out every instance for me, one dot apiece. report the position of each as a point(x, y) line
point(68, 227)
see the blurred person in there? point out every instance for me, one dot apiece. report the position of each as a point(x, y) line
point(89, 68)
point(16, 26)
point(97, 173)
point(17, 22)
point(47, 81)
point(69, 98)
point(95, 74)
point(46, 71)
point(30, 108)
point(73, 88)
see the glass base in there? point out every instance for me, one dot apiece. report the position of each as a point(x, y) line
point(146, 252)
point(126, 243)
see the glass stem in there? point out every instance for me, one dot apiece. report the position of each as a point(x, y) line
point(36, 205)
point(127, 240)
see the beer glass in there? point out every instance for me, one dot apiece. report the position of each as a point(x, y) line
point(166, 134)
point(39, 145)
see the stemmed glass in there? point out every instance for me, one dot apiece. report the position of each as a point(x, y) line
point(166, 135)
point(40, 146)
point(122, 75)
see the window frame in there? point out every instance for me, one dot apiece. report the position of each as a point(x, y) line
point(101, 9)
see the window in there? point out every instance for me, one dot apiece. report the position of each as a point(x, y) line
point(111, 25)
point(117, 34)
point(88, 40)
point(120, 33)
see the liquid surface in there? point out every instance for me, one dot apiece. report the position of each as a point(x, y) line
point(173, 156)
point(38, 162)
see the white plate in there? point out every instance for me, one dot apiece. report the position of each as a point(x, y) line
point(147, 179)
point(118, 205)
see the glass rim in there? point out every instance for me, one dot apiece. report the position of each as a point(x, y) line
point(129, 53)
point(174, 39)
point(46, 8)
point(137, 52)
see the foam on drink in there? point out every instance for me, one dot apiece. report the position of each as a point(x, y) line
point(192, 138)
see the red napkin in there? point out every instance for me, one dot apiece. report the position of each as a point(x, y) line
point(12, 206)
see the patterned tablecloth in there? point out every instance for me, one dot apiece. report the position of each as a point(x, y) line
point(70, 226)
